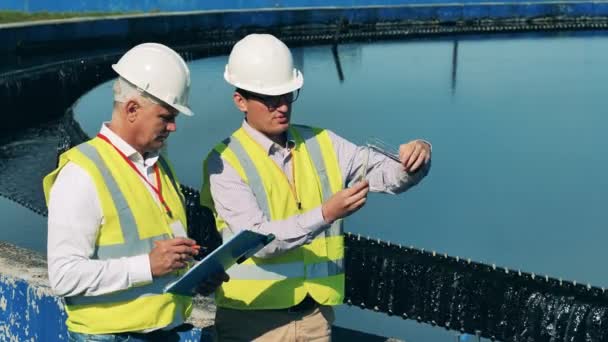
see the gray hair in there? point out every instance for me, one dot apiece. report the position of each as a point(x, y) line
point(125, 90)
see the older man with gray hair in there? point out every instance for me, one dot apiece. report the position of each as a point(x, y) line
point(116, 215)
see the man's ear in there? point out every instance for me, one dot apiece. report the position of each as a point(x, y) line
point(132, 109)
point(240, 102)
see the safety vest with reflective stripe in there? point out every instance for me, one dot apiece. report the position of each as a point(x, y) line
point(316, 268)
point(132, 221)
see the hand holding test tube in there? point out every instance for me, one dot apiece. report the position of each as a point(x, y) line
point(414, 153)
point(377, 145)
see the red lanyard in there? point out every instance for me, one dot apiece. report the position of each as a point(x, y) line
point(158, 190)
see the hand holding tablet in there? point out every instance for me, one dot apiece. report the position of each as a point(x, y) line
point(236, 250)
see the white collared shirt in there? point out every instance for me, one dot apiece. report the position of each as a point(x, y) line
point(74, 218)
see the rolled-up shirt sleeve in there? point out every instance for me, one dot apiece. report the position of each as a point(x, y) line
point(74, 218)
point(236, 204)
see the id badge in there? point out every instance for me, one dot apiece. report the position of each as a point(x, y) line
point(178, 229)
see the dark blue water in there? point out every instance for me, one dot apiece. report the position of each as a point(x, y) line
point(21, 226)
point(518, 130)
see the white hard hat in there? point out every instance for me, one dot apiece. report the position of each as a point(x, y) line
point(262, 64)
point(159, 71)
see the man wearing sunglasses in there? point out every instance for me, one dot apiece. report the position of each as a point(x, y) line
point(296, 182)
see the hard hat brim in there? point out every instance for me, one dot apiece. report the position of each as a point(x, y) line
point(295, 84)
point(182, 109)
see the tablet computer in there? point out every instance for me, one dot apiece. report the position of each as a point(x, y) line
point(236, 250)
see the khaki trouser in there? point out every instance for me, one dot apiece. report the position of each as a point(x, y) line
point(274, 325)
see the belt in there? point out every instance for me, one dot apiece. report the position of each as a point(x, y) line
point(306, 305)
point(158, 335)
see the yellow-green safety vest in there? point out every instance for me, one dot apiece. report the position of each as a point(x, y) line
point(133, 220)
point(316, 268)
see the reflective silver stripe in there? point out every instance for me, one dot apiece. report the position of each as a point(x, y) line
point(325, 269)
point(314, 150)
point(255, 180)
point(154, 288)
point(284, 271)
point(122, 250)
point(133, 245)
point(266, 271)
point(336, 229)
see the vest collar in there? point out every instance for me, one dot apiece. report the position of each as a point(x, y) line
point(268, 145)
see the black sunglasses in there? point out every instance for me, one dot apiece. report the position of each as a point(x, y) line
point(271, 101)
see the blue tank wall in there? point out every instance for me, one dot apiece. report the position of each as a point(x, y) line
point(29, 313)
point(197, 5)
point(28, 309)
point(22, 36)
